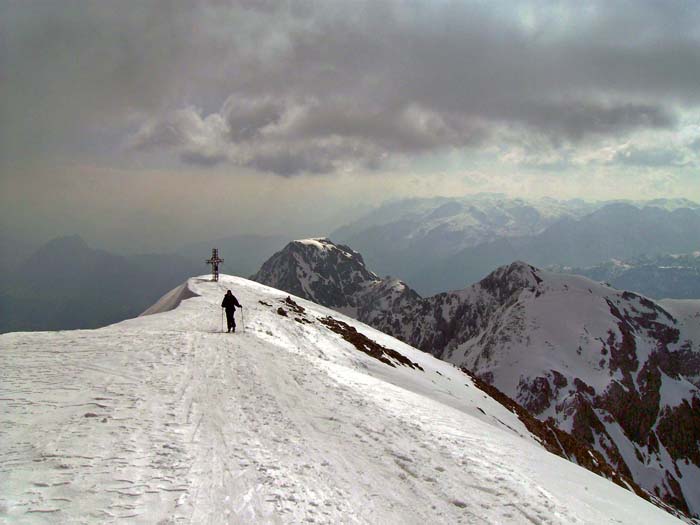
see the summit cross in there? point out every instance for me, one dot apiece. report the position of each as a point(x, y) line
point(214, 262)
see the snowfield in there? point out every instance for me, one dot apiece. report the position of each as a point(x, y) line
point(163, 419)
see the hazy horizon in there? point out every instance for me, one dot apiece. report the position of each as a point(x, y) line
point(181, 241)
point(145, 125)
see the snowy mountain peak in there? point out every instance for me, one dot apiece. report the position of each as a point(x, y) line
point(325, 247)
point(320, 243)
point(321, 247)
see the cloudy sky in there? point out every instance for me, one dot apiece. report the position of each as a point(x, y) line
point(142, 124)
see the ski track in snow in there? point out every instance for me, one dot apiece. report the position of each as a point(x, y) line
point(159, 420)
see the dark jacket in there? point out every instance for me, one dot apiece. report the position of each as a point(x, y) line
point(230, 302)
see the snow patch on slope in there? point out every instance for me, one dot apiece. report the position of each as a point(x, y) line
point(674, 391)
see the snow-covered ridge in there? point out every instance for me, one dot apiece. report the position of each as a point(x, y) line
point(614, 368)
point(164, 418)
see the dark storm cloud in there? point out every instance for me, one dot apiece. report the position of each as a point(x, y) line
point(289, 163)
point(575, 120)
point(324, 86)
point(247, 117)
point(304, 136)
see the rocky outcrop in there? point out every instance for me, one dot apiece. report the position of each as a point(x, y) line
point(335, 276)
point(318, 270)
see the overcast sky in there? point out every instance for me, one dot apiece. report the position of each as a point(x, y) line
point(146, 124)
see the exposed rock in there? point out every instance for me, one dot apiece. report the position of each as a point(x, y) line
point(367, 345)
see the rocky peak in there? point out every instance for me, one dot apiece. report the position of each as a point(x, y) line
point(318, 270)
point(511, 279)
point(323, 248)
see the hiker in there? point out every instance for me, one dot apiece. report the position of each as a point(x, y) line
point(230, 303)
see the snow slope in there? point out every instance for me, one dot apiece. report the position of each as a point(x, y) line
point(162, 419)
point(615, 369)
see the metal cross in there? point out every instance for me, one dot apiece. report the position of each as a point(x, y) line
point(214, 261)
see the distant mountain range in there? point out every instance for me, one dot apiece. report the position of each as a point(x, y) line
point(66, 284)
point(435, 244)
point(617, 370)
point(447, 243)
point(674, 276)
point(403, 237)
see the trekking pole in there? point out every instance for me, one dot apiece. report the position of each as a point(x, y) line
point(222, 320)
